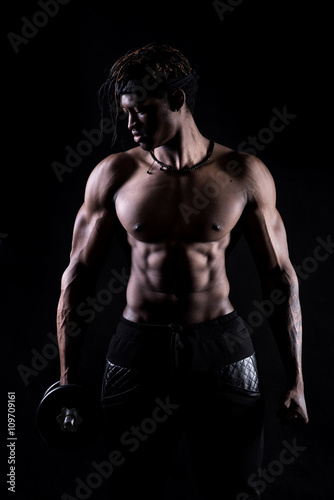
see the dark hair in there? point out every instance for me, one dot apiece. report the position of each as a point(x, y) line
point(164, 66)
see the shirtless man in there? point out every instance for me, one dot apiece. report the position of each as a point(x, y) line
point(180, 337)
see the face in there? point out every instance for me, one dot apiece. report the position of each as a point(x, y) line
point(151, 121)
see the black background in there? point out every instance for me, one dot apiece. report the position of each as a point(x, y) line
point(263, 55)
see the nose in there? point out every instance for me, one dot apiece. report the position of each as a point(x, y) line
point(132, 121)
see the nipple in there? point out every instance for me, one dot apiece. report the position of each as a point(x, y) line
point(138, 227)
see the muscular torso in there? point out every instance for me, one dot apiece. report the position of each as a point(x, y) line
point(178, 227)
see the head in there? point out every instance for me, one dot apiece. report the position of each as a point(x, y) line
point(154, 86)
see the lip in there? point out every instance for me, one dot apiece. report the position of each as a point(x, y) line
point(137, 136)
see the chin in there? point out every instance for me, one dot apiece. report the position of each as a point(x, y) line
point(145, 146)
point(149, 143)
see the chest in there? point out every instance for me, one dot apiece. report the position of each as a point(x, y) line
point(202, 206)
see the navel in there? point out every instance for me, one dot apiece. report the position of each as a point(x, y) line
point(216, 227)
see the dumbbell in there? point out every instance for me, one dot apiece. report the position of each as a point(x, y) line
point(69, 417)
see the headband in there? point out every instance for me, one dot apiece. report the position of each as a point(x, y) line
point(176, 83)
point(134, 86)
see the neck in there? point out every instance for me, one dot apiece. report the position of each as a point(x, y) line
point(186, 148)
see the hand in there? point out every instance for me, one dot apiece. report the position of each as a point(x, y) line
point(292, 408)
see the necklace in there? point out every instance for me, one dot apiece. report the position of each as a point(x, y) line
point(185, 170)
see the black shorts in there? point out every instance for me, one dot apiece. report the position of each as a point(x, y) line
point(194, 384)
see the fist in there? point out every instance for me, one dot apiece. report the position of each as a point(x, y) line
point(292, 408)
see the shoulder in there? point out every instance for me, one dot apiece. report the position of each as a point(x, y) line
point(108, 176)
point(252, 174)
point(258, 181)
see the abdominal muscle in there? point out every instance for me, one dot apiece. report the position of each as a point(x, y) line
point(177, 282)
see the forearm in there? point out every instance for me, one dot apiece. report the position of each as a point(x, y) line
point(77, 284)
point(286, 324)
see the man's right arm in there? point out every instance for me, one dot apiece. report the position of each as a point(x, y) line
point(90, 244)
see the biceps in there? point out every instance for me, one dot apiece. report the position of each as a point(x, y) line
point(266, 235)
point(91, 237)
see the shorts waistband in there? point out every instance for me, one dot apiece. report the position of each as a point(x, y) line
point(225, 321)
point(218, 341)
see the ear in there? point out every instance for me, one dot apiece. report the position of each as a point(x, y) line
point(176, 99)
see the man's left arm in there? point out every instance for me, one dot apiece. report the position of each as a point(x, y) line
point(265, 232)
